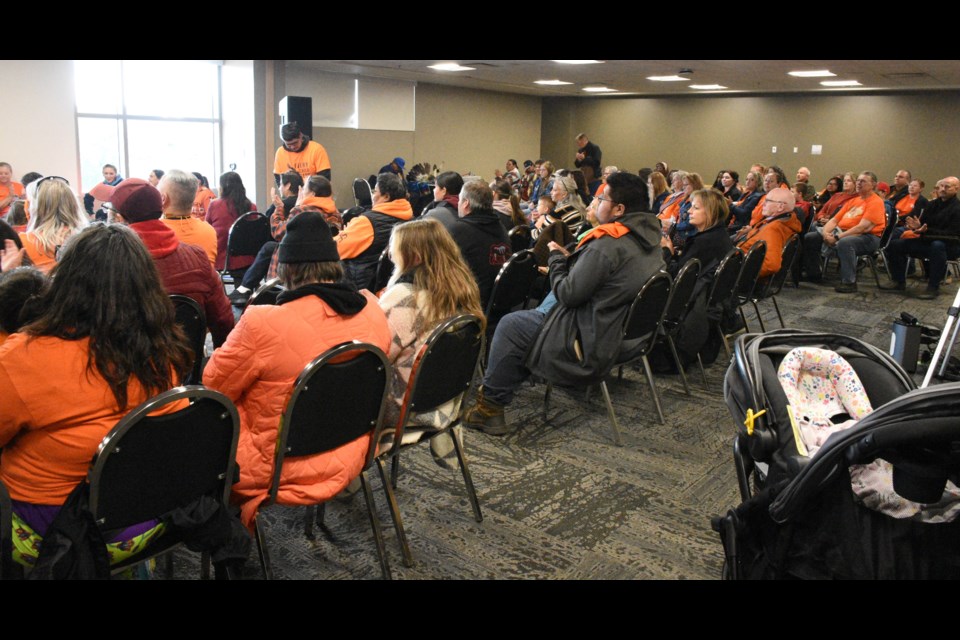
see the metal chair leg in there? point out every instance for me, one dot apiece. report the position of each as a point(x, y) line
point(375, 523)
point(703, 374)
point(467, 478)
point(395, 514)
point(777, 307)
point(726, 347)
point(395, 470)
point(873, 267)
point(262, 548)
point(676, 361)
point(743, 316)
point(546, 400)
point(617, 438)
point(308, 522)
point(759, 317)
point(204, 565)
point(653, 388)
point(321, 513)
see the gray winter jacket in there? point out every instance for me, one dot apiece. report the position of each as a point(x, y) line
point(594, 288)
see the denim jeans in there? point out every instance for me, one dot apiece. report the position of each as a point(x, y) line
point(849, 248)
point(936, 251)
point(508, 351)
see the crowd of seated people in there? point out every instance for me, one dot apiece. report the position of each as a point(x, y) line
point(86, 302)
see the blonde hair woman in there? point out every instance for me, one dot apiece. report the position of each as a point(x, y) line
point(430, 283)
point(570, 207)
point(55, 215)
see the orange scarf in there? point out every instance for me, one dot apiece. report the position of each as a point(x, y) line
point(613, 229)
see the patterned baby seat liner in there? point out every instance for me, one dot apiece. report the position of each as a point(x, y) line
point(825, 395)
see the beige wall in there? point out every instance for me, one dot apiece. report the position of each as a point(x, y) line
point(475, 131)
point(882, 133)
point(462, 130)
point(39, 99)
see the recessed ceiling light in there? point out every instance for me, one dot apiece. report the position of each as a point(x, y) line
point(551, 82)
point(668, 78)
point(840, 83)
point(599, 89)
point(450, 66)
point(818, 73)
point(578, 61)
point(707, 87)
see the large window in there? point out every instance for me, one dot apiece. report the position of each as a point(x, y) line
point(141, 115)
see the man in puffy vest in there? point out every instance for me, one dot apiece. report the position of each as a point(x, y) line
point(366, 236)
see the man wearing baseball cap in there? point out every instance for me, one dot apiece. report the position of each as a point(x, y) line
point(396, 166)
point(184, 268)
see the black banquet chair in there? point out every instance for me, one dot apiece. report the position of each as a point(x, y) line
point(266, 294)
point(442, 373)
point(639, 334)
point(681, 294)
point(190, 317)
point(511, 288)
point(724, 281)
point(384, 271)
point(362, 193)
point(519, 238)
point(150, 465)
point(247, 235)
point(774, 284)
point(334, 401)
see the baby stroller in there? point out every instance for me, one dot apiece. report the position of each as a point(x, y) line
point(812, 512)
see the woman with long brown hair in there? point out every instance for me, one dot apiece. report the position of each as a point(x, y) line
point(104, 338)
point(430, 283)
point(221, 215)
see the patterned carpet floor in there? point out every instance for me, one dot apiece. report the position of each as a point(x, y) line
point(559, 499)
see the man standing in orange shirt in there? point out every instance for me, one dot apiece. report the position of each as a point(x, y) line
point(300, 154)
point(854, 231)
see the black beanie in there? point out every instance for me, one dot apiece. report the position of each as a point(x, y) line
point(308, 239)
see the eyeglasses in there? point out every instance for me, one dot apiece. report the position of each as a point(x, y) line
point(106, 206)
point(602, 199)
point(775, 202)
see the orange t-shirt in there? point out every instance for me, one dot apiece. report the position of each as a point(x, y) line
point(201, 203)
point(905, 205)
point(196, 232)
point(5, 192)
point(47, 442)
point(858, 208)
point(312, 159)
point(42, 261)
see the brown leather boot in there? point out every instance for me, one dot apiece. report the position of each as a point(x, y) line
point(486, 416)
